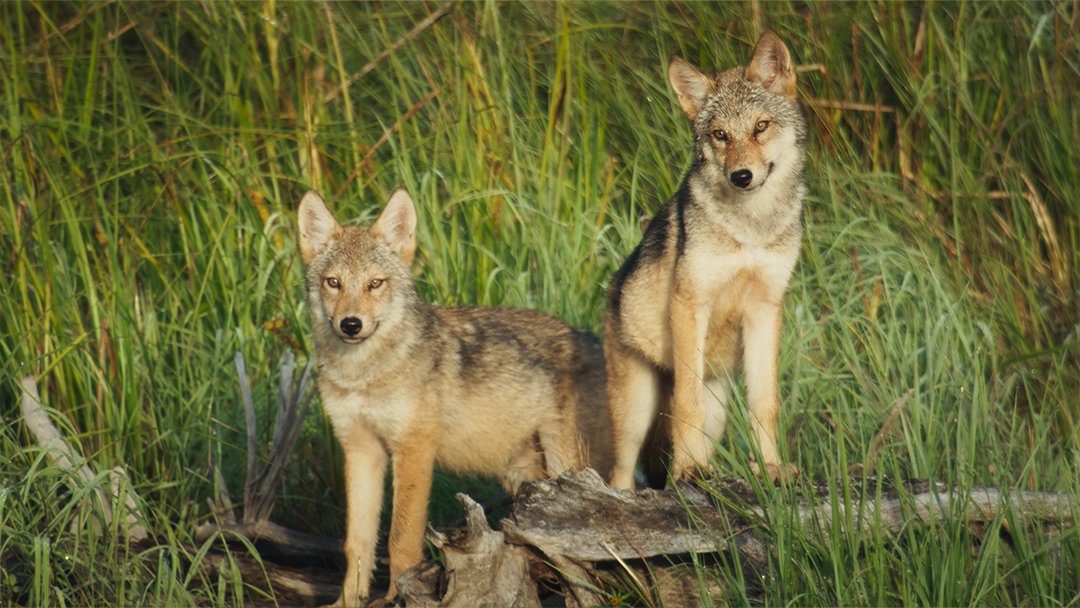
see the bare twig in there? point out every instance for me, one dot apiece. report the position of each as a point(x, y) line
point(1059, 263)
point(293, 407)
point(386, 137)
point(811, 67)
point(286, 541)
point(68, 459)
point(867, 468)
point(73, 23)
point(626, 567)
point(756, 17)
point(249, 424)
point(120, 31)
point(854, 106)
point(400, 42)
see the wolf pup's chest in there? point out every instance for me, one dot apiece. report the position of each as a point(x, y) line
point(384, 413)
point(727, 273)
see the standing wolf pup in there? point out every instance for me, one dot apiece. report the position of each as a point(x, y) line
point(479, 390)
point(707, 281)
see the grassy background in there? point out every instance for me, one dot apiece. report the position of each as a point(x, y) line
point(154, 153)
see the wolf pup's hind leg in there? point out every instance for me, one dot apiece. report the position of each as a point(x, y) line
point(633, 396)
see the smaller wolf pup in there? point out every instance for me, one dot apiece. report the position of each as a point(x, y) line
point(491, 391)
point(704, 289)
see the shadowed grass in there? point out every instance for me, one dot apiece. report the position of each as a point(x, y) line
point(153, 155)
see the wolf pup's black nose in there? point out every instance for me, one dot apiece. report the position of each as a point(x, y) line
point(742, 178)
point(351, 325)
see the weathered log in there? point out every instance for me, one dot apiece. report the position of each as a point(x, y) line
point(67, 458)
point(276, 584)
point(277, 539)
point(481, 568)
point(576, 523)
point(579, 517)
point(260, 488)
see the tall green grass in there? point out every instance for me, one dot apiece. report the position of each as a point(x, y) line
point(153, 155)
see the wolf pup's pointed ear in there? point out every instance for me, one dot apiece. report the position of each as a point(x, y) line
point(317, 226)
point(691, 86)
point(396, 225)
point(771, 66)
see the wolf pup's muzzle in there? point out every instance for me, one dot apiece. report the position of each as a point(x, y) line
point(353, 330)
point(351, 326)
point(741, 178)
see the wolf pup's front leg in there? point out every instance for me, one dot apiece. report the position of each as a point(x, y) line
point(761, 352)
point(365, 469)
point(413, 468)
point(691, 448)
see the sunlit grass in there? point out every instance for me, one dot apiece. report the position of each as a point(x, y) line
point(153, 155)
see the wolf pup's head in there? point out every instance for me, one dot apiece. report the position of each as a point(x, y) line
point(747, 124)
point(357, 277)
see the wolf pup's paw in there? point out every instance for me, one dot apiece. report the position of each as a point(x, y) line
point(690, 473)
point(379, 602)
point(779, 472)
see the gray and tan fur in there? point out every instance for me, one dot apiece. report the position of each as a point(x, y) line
point(703, 291)
point(491, 391)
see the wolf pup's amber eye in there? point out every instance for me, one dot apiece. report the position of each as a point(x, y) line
point(761, 126)
point(333, 282)
point(719, 135)
point(374, 284)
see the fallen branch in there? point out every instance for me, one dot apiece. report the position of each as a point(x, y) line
point(261, 486)
point(479, 565)
point(286, 585)
point(579, 517)
point(417, 29)
point(577, 524)
point(260, 489)
point(853, 106)
point(277, 539)
point(68, 459)
point(385, 137)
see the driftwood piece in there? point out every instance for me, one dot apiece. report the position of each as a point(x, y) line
point(260, 488)
point(287, 585)
point(263, 480)
point(579, 517)
point(576, 523)
point(276, 539)
point(481, 569)
point(274, 584)
point(67, 458)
